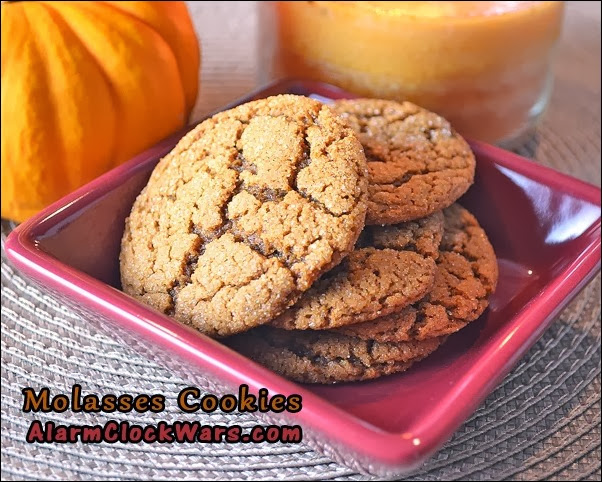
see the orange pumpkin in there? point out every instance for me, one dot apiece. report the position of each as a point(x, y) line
point(85, 86)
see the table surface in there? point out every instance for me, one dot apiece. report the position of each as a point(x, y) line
point(541, 423)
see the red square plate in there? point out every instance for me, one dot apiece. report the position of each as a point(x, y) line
point(544, 226)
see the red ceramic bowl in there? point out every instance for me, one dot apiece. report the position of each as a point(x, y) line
point(544, 226)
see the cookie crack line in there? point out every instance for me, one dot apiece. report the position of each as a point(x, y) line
point(305, 163)
point(475, 276)
point(472, 261)
point(366, 117)
point(368, 242)
point(467, 228)
point(302, 351)
point(226, 285)
point(363, 120)
point(407, 177)
point(422, 320)
point(190, 262)
point(259, 248)
point(203, 241)
point(427, 131)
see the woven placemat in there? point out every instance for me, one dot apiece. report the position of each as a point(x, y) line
point(541, 423)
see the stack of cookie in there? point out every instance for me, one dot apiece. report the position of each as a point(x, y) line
point(332, 227)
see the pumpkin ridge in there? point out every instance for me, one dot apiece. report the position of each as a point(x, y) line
point(93, 17)
point(103, 73)
point(44, 68)
point(96, 15)
point(114, 8)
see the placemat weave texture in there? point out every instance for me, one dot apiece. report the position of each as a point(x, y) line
point(541, 423)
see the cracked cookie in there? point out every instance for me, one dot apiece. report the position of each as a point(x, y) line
point(328, 357)
point(245, 213)
point(391, 267)
point(467, 274)
point(417, 163)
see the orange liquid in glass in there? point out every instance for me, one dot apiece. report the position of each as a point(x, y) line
point(483, 65)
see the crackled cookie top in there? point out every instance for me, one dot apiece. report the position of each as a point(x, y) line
point(467, 274)
point(391, 267)
point(245, 213)
point(417, 163)
point(327, 357)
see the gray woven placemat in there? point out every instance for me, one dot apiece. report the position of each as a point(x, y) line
point(541, 423)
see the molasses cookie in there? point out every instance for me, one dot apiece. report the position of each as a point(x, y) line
point(327, 357)
point(417, 163)
point(245, 213)
point(467, 274)
point(390, 268)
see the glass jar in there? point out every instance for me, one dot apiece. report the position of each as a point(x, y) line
point(483, 65)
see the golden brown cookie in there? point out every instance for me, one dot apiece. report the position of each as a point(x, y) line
point(467, 274)
point(327, 357)
point(245, 213)
point(418, 164)
point(391, 267)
